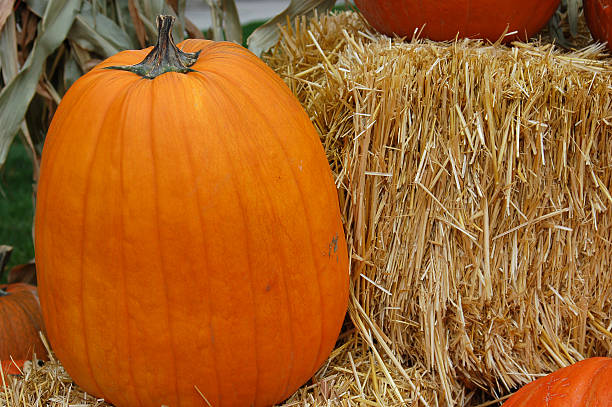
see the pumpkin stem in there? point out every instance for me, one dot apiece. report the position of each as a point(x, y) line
point(165, 55)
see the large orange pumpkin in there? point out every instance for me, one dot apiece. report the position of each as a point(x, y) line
point(444, 20)
point(586, 383)
point(598, 14)
point(20, 322)
point(189, 241)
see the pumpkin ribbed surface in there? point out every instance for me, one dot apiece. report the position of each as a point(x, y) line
point(598, 14)
point(586, 383)
point(444, 20)
point(188, 234)
point(20, 323)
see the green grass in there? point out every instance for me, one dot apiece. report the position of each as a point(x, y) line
point(16, 206)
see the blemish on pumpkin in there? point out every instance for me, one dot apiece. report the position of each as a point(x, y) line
point(268, 288)
point(549, 389)
point(212, 335)
point(333, 246)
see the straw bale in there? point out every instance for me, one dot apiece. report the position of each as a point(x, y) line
point(475, 183)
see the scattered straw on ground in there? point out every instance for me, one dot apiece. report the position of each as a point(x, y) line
point(475, 182)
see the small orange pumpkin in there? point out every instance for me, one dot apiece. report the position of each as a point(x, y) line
point(586, 383)
point(189, 242)
point(20, 322)
point(598, 14)
point(444, 20)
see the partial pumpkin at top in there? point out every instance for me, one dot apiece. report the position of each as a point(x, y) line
point(445, 20)
point(598, 14)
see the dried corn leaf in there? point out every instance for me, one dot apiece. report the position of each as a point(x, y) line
point(5, 11)
point(225, 21)
point(573, 9)
point(231, 22)
point(265, 36)
point(5, 255)
point(97, 33)
point(9, 60)
point(37, 6)
point(15, 97)
point(138, 24)
point(72, 72)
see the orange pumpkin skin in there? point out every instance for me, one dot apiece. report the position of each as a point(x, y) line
point(598, 14)
point(188, 234)
point(444, 20)
point(20, 323)
point(12, 366)
point(585, 383)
